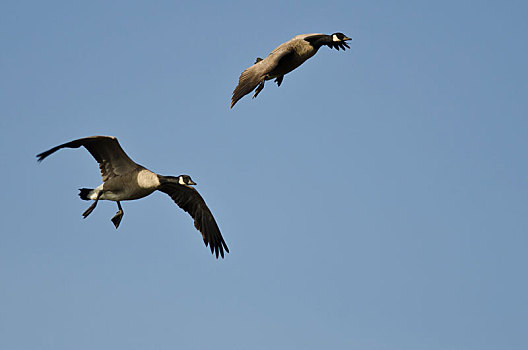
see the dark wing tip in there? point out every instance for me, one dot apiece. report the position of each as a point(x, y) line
point(42, 156)
point(188, 199)
point(74, 144)
point(214, 239)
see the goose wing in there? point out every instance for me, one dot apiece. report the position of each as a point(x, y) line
point(257, 73)
point(304, 36)
point(113, 161)
point(192, 202)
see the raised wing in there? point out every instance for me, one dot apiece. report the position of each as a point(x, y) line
point(190, 200)
point(113, 161)
point(304, 36)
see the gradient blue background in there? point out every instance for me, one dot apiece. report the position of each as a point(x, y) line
point(376, 200)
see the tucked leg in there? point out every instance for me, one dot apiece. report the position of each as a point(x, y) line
point(259, 89)
point(278, 80)
point(92, 207)
point(118, 216)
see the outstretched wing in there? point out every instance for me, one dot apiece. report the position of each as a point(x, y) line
point(190, 200)
point(257, 73)
point(113, 161)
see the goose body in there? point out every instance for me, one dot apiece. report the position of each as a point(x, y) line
point(124, 180)
point(134, 185)
point(284, 59)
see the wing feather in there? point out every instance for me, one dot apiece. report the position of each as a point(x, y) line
point(112, 159)
point(188, 198)
point(257, 73)
point(248, 81)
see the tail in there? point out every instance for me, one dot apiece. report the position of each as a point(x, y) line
point(248, 81)
point(84, 193)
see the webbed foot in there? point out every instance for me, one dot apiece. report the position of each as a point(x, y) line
point(117, 218)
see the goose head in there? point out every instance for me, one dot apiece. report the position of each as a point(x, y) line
point(339, 40)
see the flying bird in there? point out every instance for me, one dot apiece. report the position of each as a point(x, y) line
point(123, 179)
point(283, 60)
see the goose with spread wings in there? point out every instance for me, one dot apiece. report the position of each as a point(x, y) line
point(283, 60)
point(123, 179)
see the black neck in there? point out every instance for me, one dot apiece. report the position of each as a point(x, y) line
point(167, 179)
point(319, 40)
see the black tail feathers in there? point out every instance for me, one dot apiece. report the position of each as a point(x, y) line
point(84, 192)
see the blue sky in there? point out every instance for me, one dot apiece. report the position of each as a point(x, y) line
point(376, 200)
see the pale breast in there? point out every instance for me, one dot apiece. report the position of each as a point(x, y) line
point(146, 179)
point(134, 185)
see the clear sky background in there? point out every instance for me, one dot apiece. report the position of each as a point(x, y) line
point(376, 200)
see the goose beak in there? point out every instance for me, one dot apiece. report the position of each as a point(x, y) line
point(346, 38)
point(191, 182)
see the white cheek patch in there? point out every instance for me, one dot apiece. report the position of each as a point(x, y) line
point(335, 38)
point(180, 181)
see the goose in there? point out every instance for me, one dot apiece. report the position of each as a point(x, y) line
point(283, 60)
point(123, 179)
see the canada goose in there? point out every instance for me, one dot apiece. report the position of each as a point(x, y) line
point(283, 60)
point(123, 179)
